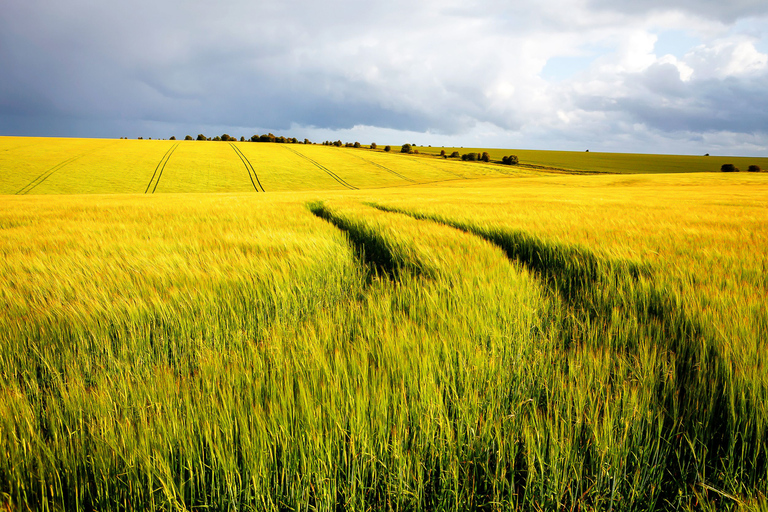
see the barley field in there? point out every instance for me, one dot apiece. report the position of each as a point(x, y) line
point(211, 326)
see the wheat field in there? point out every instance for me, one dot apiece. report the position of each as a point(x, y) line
point(433, 335)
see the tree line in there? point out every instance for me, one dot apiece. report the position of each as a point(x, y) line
point(406, 148)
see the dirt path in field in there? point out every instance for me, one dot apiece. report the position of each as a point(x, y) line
point(163, 162)
point(323, 168)
point(249, 168)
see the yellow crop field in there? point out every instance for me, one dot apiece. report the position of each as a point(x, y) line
point(77, 166)
point(613, 162)
point(320, 328)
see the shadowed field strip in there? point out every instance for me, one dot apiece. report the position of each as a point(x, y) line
point(163, 162)
point(249, 168)
point(323, 168)
point(617, 305)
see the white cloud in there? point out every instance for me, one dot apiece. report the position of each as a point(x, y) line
point(726, 58)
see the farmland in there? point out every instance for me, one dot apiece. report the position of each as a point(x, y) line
point(362, 330)
point(76, 166)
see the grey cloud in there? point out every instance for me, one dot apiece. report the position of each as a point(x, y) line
point(106, 68)
point(724, 11)
point(658, 99)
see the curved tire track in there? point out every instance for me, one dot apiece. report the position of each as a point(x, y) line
point(44, 176)
point(248, 167)
point(163, 162)
point(323, 168)
point(386, 169)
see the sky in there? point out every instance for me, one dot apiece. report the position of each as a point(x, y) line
point(649, 76)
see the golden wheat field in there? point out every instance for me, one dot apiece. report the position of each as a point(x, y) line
point(194, 325)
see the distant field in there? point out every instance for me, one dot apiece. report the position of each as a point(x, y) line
point(92, 166)
point(359, 339)
point(613, 162)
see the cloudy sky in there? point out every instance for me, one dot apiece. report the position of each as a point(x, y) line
point(659, 76)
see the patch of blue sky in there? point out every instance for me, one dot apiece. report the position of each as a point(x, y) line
point(756, 28)
point(564, 67)
point(675, 42)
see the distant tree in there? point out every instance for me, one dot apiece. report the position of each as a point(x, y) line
point(373, 145)
point(455, 154)
point(357, 145)
point(217, 138)
point(141, 138)
point(509, 160)
point(729, 168)
point(406, 148)
point(485, 157)
point(707, 154)
point(415, 151)
point(306, 141)
point(188, 137)
point(173, 137)
point(754, 168)
point(242, 138)
point(201, 137)
point(225, 137)
point(338, 143)
point(469, 157)
point(442, 152)
point(387, 148)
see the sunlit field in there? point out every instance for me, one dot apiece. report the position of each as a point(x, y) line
point(319, 328)
point(30, 166)
point(595, 162)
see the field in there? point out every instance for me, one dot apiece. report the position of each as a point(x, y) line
point(594, 162)
point(82, 166)
point(369, 331)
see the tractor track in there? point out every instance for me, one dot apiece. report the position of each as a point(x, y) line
point(386, 169)
point(323, 168)
point(163, 162)
point(45, 175)
point(248, 167)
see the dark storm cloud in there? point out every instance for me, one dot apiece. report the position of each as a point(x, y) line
point(235, 63)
